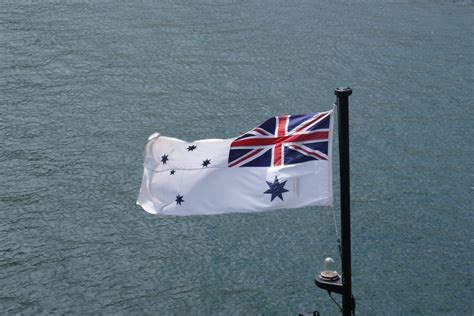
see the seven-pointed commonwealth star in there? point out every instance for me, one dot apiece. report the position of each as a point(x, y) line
point(276, 189)
point(179, 199)
point(164, 159)
point(191, 147)
point(206, 162)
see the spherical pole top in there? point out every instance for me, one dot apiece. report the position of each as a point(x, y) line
point(343, 91)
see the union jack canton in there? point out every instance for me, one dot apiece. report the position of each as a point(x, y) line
point(283, 140)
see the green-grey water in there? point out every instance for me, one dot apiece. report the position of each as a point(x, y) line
point(84, 83)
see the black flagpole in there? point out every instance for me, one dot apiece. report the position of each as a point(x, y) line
point(329, 279)
point(348, 303)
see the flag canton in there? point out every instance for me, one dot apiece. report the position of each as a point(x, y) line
point(283, 140)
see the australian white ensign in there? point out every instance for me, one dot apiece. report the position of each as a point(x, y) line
point(283, 163)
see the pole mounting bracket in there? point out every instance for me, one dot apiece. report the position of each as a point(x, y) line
point(331, 286)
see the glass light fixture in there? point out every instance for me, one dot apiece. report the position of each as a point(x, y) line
point(329, 273)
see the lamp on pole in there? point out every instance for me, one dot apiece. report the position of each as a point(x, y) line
point(329, 279)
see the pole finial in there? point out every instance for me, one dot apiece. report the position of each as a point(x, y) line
point(343, 91)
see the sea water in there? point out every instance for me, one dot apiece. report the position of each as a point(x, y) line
point(83, 84)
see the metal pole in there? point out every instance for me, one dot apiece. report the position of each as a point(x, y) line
point(348, 303)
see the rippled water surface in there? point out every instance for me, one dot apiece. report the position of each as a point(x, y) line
point(84, 83)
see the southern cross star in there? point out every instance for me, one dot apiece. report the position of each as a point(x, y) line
point(191, 147)
point(172, 172)
point(276, 189)
point(164, 159)
point(206, 162)
point(179, 199)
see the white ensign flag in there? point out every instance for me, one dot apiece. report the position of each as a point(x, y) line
point(283, 163)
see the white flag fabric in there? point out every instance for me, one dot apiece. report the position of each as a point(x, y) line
point(283, 163)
